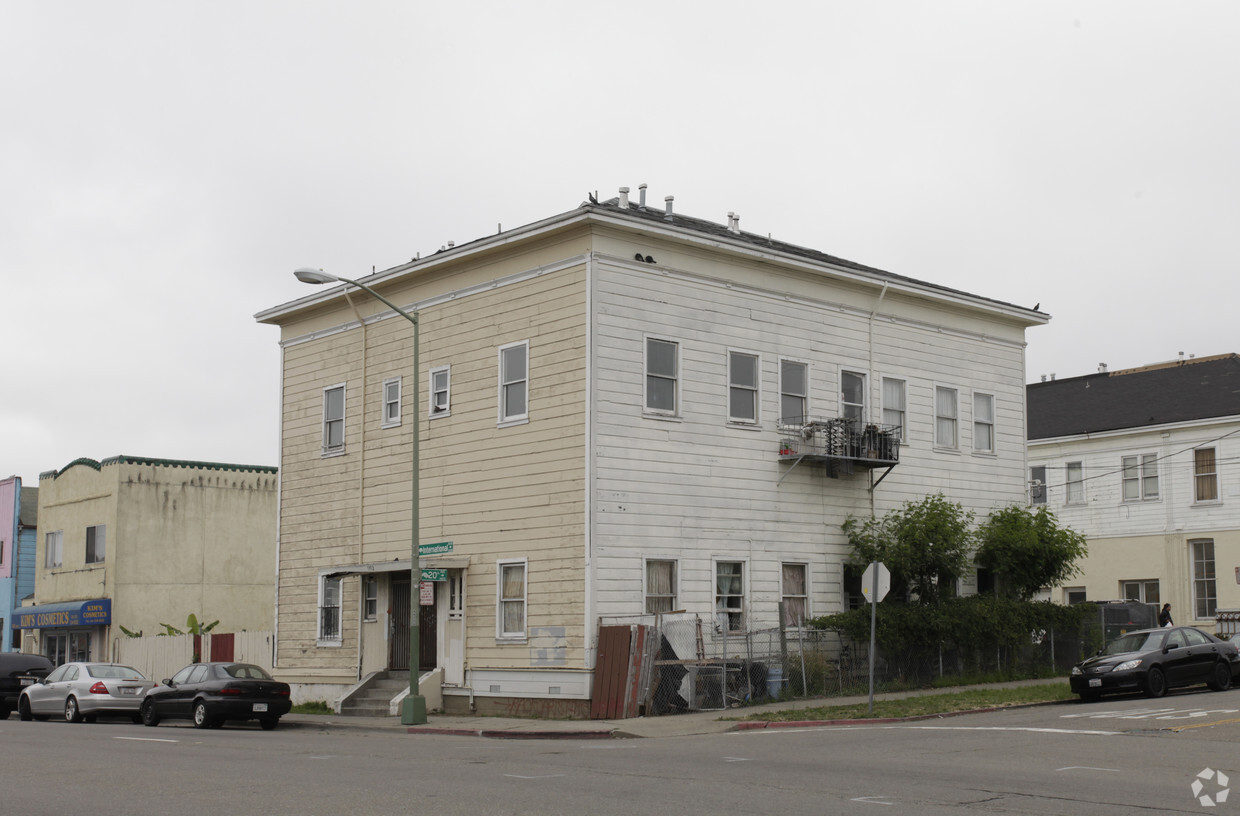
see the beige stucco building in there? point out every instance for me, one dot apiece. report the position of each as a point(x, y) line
point(134, 542)
point(603, 401)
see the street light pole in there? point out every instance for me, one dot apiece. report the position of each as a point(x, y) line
point(413, 712)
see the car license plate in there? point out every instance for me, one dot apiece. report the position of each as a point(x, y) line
point(129, 690)
point(27, 681)
point(260, 706)
point(1095, 682)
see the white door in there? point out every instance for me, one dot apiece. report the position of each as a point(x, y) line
point(453, 634)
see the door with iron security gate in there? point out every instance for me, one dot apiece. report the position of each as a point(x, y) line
point(398, 643)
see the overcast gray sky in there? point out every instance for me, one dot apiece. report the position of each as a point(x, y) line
point(164, 166)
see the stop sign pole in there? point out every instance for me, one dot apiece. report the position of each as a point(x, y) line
point(879, 579)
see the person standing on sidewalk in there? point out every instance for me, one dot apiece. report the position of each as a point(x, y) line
point(1164, 617)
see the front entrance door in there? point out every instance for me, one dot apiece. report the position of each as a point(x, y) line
point(398, 644)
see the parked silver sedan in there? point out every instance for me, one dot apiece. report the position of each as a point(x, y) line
point(81, 691)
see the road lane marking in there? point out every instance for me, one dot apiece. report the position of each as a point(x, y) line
point(1180, 728)
point(545, 776)
point(737, 759)
point(1088, 768)
point(1005, 728)
point(871, 800)
point(145, 739)
point(1151, 714)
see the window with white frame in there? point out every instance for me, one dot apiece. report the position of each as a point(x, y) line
point(794, 591)
point(852, 396)
point(730, 596)
point(660, 586)
point(391, 403)
point(370, 598)
point(743, 387)
point(1205, 592)
point(511, 588)
point(456, 594)
point(1037, 484)
point(55, 543)
point(1205, 475)
point(514, 382)
point(1145, 591)
point(1074, 595)
point(946, 414)
point(333, 419)
point(793, 392)
point(441, 391)
point(96, 543)
point(983, 423)
point(662, 376)
point(894, 405)
point(1140, 477)
point(329, 610)
point(1075, 482)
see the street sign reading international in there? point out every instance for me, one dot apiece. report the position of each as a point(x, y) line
point(435, 549)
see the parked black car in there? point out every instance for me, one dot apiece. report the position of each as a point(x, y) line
point(212, 693)
point(18, 670)
point(1154, 660)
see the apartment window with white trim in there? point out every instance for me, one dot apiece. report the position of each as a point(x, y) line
point(1205, 591)
point(984, 423)
point(743, 398)
point(391, 403)
point(794, 591)
point(1205, 475)
point(660, 586)
point(1140, 477)
point(946, 414)
point(1075, 482)
point(662, 376)
point(793, 392)
point(370, 598)
point(333, 419)
point(440, 392)
point(894, 405)
point(852, 396)
point(55, 545)
point(1037, 484)
point(96, 543)
point(730, 596)
point(1145, 591)
point(514, 382)
point(329, 611)
point(511, 600)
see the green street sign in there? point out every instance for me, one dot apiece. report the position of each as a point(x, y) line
point(434, 575)
point(435, 549)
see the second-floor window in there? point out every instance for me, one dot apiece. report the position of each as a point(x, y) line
point(441, 391)
point(894, 405)
point(1205, 475)
point(1075, 483)
point(793, 392)
point(945, 416)
point(852, 396)
point(333, 419)
point(662, 376)
point(55, 555)
point(1037, 484)
point(1140, 477)
point(514, 382)
point(742, 387)
point(96, 544)
point(984, 423)
point(391, 403)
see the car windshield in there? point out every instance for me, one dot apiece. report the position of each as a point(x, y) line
point(1136, 642)
point(244, 671)
point(115, 672)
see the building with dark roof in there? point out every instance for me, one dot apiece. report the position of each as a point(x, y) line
point(1143, 462)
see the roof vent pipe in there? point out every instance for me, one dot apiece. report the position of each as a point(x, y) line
point(734, 223)
point(667, 212)
point(1102, 368)
point(641, 200)
point(624, 198)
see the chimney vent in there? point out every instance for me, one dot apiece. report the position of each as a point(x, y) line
point(734, 223)
point(667, 212)
point(641, 202)
point(1102, 368)
point(624, 198)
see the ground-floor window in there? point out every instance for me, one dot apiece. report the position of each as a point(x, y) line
point(329, 611)
point(794, 582)
point(1143, 591)
point(511, 600)
point(1074, 595)
point(1205, 596)
point(730, 595)
point(660, 586)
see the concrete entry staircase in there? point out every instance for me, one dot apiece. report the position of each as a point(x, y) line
point(374, 697)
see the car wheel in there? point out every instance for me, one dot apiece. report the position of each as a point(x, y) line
point(23, 710)
point(202, 719)
point(268, 723)
point(1155, 683)
point(72, 714)
point(1220, 677)
point(149, 717)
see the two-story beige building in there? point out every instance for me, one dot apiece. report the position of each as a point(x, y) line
point(135, 542)
point(622, 410)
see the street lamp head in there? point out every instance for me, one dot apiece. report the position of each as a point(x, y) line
point(308, 275)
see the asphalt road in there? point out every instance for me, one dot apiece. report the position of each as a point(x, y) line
point(1128, 755)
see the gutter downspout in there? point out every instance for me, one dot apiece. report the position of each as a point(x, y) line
point(882, 294)
point(361, 479)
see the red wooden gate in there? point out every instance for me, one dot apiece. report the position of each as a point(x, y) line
point(618, 671)
point(223, 647)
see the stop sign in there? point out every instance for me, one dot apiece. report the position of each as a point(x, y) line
point(867, 582)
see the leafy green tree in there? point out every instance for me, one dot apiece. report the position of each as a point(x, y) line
point(926, 545)
point(1028, 550)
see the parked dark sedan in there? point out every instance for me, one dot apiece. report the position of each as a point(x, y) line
point(1154, 660)
point(18, 670)
point(212, 693)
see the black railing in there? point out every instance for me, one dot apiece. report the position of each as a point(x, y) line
point(863, 443)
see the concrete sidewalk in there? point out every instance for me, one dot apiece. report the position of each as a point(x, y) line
point(671, 725)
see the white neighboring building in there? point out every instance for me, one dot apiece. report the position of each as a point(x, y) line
point(616, 404)
point(1142, 462)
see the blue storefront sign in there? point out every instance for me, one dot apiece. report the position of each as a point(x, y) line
point(56, 616)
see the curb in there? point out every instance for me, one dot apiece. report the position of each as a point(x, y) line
point(499, 734)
